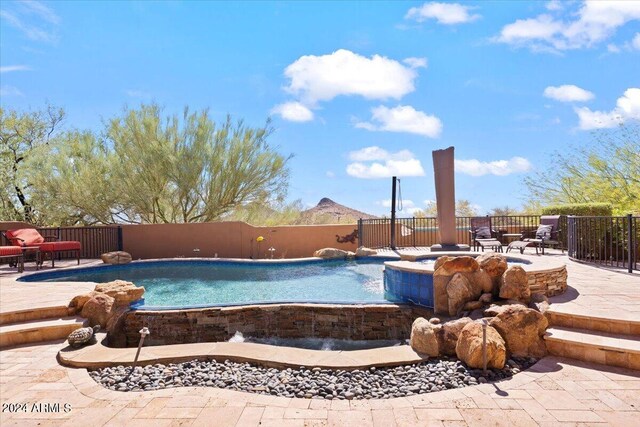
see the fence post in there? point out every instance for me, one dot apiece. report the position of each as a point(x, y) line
point(120, 246)
point(631, 247)
point(393, 212)
point(360, 240)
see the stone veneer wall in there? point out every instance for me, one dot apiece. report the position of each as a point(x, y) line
point(358, 322)
point(550, 282)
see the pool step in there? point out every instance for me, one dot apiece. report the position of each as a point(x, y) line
point(594, 346)
point(36, 313)
point(34, 331)
point(593, 320)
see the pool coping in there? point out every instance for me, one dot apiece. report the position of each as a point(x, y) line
point(99, 355)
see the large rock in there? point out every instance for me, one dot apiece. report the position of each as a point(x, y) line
point(424, 337)
point(441, 260)
point(98, 309)
point(364, 252)
point(459, 264)
point(459, 292)
point(448, 337)
point(515, 285)
point(469, 347)
point(121, 291)
point(116, 257)
point(539, 302)
point(522, 329)
point(499, 306)
point(495, 265)
point(481, 281)
point(80, 300)
point(332, 253)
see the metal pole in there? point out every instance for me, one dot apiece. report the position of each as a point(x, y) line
point(630, 242)
point(360, 239)
point(393, 212)
point(120, 246)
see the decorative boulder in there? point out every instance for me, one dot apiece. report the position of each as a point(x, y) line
point(515, 285)
point(449, 335)
point(121, 291)
point(441, 260)
point(486, 298)
point(364, 252)
point(98, 309)
point(460, 264)
point(469, 347)
point(82, 336)
point(435, 321)
point(459, 292)
point(472, 305)
point(116, 257)
point(522, 329)
point(482, 282)
point(498, 307)
point(424, 337)
point(332, 253)
point(80, 300)
point(539, 302)
point(495, 265)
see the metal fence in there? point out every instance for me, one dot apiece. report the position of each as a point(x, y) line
point(608, 241)
point(95, 240)
point(421, 232)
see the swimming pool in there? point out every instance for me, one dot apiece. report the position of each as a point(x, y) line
point(199, 283)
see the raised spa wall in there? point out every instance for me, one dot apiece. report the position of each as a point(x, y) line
point(356, 322)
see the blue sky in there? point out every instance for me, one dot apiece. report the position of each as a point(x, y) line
point(358, 91)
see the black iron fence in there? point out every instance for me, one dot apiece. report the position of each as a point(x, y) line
point(608, 241)
point(95, 240)
point(420, 232)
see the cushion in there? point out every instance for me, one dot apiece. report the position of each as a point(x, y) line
point(59, 246)
point(544, 232)
point(10, 250)
point(29, 236)
point(483, 233)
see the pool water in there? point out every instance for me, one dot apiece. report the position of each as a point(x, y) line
point(324, 344)
point(201, 283)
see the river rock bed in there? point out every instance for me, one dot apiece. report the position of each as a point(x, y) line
point(312, 383)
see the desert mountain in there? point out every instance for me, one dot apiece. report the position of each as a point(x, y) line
point(329, 212)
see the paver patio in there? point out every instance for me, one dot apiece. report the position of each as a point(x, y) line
point(556, 391)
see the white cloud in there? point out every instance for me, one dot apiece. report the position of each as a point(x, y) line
point(322, 78)
point(402, 118)
point(10, 68)
point(374, 162)
point(28, 16)
point(136, 93)
point(293, 111)
point(330, 174)
point(612, 48)
point(444, 13)
point(627, 107)
point(592, 23)
point(568, 93)
point(414, 62)
point(554, 5)
point(6, 90)
point(497, 167)
point(635, 43)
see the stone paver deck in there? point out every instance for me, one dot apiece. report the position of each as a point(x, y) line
point(555, 391)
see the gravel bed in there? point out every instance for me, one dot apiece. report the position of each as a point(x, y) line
point(313, 383)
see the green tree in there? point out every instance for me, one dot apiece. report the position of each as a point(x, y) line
point(20, 135)
point(504, 211)
point(606, 171)
point(463, 208)
point(150, 168)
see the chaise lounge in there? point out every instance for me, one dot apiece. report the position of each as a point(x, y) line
point(15, 255)
point(30, 238)
point(548, 234)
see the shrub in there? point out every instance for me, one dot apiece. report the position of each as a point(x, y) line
point(579, 209)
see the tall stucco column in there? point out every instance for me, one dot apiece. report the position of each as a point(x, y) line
point(443, 171)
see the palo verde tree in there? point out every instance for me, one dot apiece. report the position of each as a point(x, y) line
point(20, 135)
point(149, 168)
point(604, 171)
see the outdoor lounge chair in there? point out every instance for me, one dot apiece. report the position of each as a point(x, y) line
point(548, 234)
point(15, 254)
point(481, 230)
point(30, 238)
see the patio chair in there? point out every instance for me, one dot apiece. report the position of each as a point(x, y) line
point(30, 238)
point(481, 230)
point(15, 255)
point(548, 234)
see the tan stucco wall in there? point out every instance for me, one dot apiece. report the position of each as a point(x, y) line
point(230, 240)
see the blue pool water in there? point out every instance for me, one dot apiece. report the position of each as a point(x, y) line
point(209, 283)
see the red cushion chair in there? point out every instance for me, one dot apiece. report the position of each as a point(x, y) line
point(29, 237)
point(14, 253)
